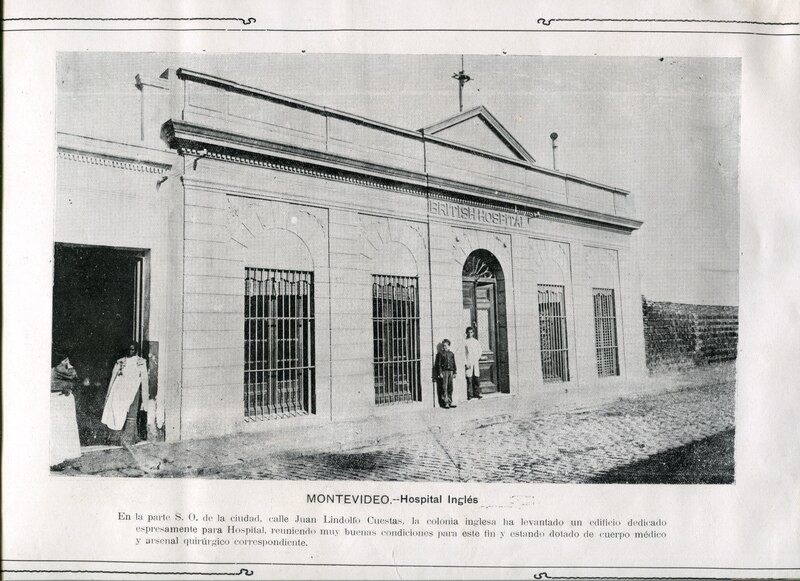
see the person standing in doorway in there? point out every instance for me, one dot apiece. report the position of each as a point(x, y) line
point(445, 366)
point(129, 384)
point(64, 439)
point(472, 357)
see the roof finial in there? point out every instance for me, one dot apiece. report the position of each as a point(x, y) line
point(462, 80)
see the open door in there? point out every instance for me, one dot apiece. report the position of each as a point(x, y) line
point(98, 306)
point(482, 291)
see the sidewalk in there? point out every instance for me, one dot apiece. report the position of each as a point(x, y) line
point(599, 430)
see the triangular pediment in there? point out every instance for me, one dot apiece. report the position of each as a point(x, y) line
point(478, 129)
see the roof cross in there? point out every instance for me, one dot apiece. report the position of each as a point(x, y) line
point(462, 80)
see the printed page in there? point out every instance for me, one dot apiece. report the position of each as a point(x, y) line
point(440, 291)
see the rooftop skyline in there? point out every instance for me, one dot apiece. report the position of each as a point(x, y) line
point(665, 129)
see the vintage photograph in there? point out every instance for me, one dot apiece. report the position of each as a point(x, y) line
point(463, 268)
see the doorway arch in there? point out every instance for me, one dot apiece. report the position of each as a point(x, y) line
point(484, 309)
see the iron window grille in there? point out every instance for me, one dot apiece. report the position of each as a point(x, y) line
point(278, 343)
point(553, 333)
point(395, 339)
point(605, 332)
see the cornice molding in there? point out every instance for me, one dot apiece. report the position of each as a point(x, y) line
point(97, 159)
point(203, 142)
point(304, 169)
point(114, 154)
point(183, 134)
point(546, 208)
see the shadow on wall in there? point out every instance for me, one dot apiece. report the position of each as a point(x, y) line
point(680, 335)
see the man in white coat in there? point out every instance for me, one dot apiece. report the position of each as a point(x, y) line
point(123, 398)
point(472, 357)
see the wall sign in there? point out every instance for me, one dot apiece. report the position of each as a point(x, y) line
point(473, 214)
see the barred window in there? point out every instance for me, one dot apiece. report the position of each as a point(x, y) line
point(553, 333)
point(605, 332)
point(278, 343)
point(395, 339)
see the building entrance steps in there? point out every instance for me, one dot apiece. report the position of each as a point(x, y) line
point(213, 456)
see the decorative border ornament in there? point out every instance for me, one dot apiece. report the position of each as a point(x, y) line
point(242, 571)
point(244, 21)
point(548, 21)
point(126, 164)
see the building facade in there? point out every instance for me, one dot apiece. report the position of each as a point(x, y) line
point(285, 264)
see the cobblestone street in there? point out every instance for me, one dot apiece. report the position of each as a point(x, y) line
point(557, 447)
point(486, 441)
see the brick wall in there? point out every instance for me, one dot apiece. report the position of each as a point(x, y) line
point(681, 335)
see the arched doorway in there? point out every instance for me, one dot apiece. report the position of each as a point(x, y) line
point(484, 304)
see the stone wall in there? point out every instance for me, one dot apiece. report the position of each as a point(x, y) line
point(682, 335)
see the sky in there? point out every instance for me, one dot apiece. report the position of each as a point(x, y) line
point(667, 129)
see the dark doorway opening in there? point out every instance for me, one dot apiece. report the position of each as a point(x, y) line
point(483, 294)
point(97, 309)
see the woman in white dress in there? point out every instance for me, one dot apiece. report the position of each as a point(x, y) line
point(64, 440)
point(124, 396)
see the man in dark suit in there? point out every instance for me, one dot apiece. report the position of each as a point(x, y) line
point(445, 367)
